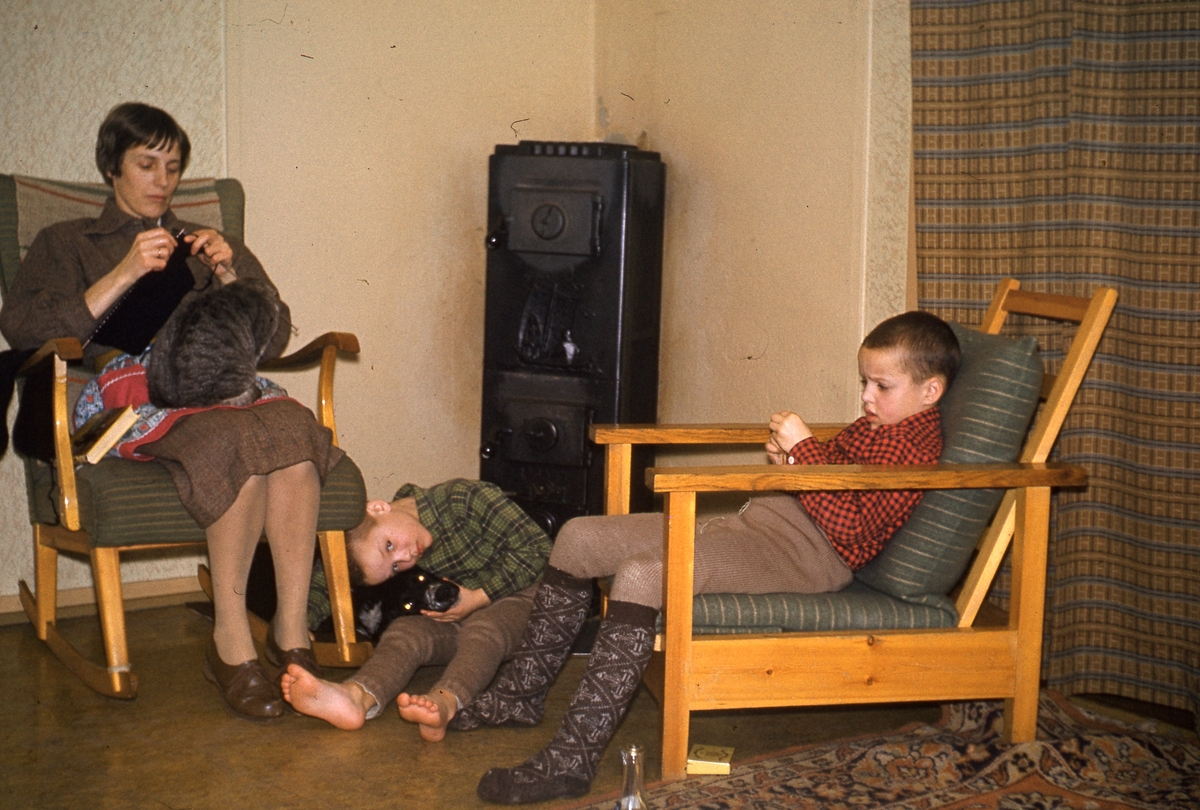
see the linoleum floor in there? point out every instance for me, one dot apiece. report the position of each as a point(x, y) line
point(174, 747)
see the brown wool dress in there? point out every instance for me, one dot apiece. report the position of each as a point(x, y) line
point(212, 454)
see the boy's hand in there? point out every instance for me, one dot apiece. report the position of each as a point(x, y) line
point(468, 602)
point(776, 455)
point(787, 430)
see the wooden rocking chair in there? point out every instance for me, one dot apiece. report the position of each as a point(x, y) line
point(100, 510)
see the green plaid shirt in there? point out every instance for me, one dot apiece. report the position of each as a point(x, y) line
point(481, 539)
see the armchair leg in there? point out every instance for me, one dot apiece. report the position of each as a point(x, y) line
point(679, 531)
point(1026, 611)
point(116, 679)
point(676, 722)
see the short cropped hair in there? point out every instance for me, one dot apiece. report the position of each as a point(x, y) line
point(135, 124)
point(927, 342)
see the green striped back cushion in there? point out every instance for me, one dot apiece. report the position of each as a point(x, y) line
point(133, 503)
point(985, 416)
point(28, 204)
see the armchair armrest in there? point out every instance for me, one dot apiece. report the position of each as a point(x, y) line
point(824, 477)
point(620, 439)
point(756, 433)
point(325, 350)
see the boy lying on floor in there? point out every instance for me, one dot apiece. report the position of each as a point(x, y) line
point(467, 532)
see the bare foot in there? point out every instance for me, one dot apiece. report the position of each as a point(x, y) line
point(341, 704)
point(430, 712)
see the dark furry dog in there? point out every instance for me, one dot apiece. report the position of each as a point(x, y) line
point(375, 606)
point(207, 352)
point(406, 593)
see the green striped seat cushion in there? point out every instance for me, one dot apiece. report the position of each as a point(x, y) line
point(132, 503)
point(985, 416)
point(28, 204)
point(858, 607)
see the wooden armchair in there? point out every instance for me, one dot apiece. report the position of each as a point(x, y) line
point(100, 510)
point(894, 634)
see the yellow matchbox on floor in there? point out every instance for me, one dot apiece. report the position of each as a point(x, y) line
point(704, 759)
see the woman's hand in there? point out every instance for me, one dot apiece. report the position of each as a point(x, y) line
point(211, 248)
point(468, 602)
point(787, 430)
point(148, 254)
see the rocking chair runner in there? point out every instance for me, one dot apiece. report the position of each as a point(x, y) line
point(101, 510)
point(894, 635)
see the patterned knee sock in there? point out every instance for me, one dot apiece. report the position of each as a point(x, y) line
point(565, 768)
point(518, 697)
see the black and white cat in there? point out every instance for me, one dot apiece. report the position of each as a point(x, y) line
point(207, 353)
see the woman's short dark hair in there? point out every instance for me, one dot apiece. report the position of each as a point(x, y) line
point(135, 124)
point(928, 344)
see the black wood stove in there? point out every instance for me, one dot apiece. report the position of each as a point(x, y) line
point(574, 278)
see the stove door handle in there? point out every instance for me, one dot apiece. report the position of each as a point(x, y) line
point(492, 447)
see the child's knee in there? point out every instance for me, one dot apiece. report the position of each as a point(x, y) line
point(409, 635)
point(482, 640)
point(639, 579)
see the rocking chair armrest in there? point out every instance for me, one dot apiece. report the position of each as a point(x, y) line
point(343, 342)
point(756, 433)
point(323, 350)
point(51, 359)
point(66, 349)
point(840, 477)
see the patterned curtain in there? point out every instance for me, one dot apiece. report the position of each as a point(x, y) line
point(1057, 142)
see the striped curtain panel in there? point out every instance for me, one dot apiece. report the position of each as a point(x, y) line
point(1057, 142)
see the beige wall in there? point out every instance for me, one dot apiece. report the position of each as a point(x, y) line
point(761, 111)
point(361, 132)
point(365, 163)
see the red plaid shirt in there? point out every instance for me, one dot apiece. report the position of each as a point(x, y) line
point(859, 524)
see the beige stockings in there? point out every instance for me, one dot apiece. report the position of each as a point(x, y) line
point(284, 505)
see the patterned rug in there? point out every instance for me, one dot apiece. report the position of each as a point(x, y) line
point(1079, 762)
